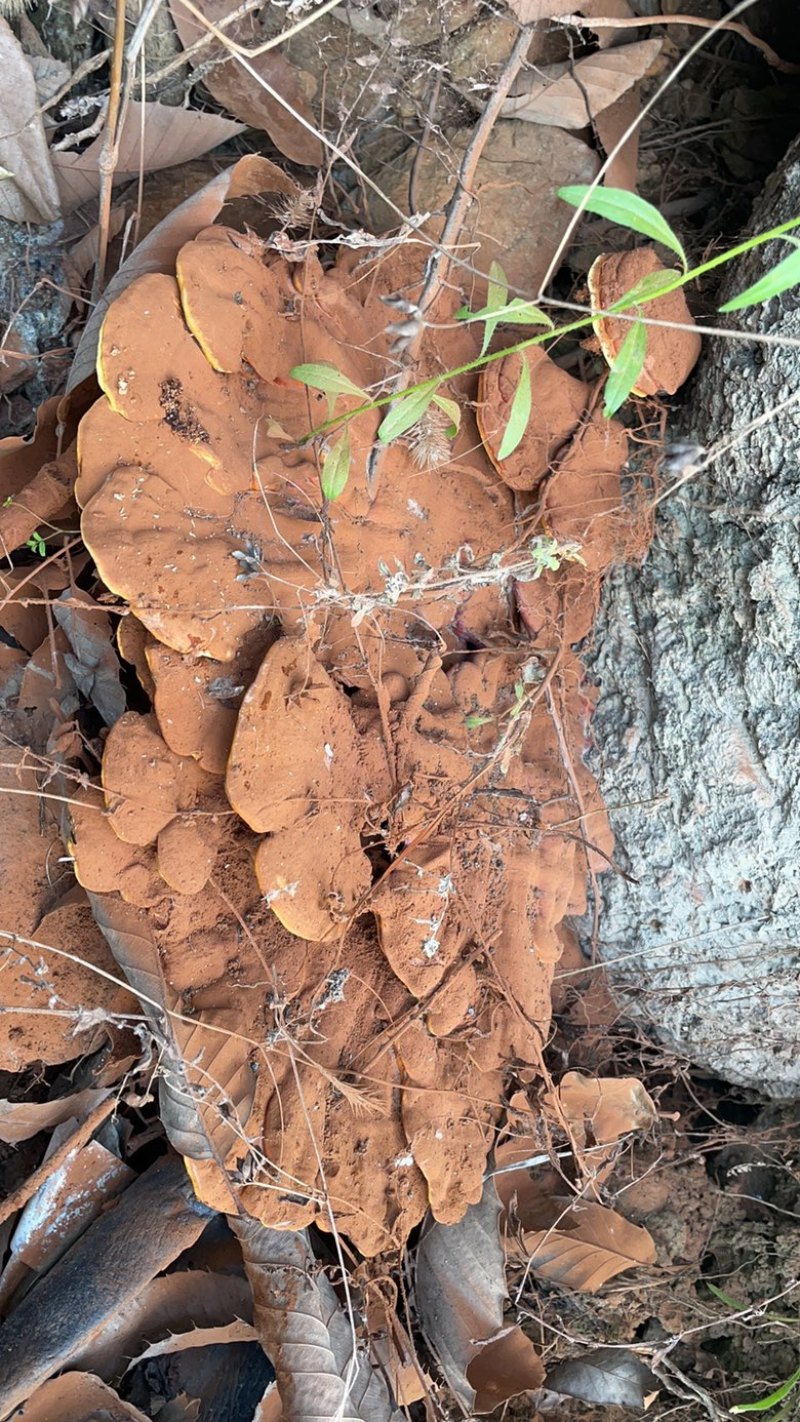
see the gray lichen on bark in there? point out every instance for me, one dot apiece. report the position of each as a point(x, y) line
point(698, 725)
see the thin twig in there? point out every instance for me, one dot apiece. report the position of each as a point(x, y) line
point(463, 196)
point(108, 158)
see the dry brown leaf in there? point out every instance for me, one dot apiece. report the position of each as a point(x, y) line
point(238, 89)
point(193, 1054)
point(461, 1292)
point(30, 194)
point(306, 1333)
point(155, 1219)
point(158, 252)
point(77, 1397)
point(601, 1109)
point(270, 1408)
point(585, 1246)
point(236, 1332)
point(530, 12)
point(177, 1305)
point(19, 1120)
point(572, 95)
point(611, 125)
point(153, 136)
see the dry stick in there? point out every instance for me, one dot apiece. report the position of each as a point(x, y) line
point(24, 1192)
point(463, 197)
point(107, 161)
point(638, 21)
point(438, 264)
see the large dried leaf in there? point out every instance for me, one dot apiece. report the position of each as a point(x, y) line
point(158, 252)
point(238, 89)
point(19, 1120)
point(607, 1377)
point(585, 1245)
point(572, 95)
point(165, 1309)
point(153, 136)
point(320, 1371)
point(93, 661)
point(30, 194)
point(460, 1293)
point(154, 1221)
point(601, 1109)
point(78, 1397)
point(206, 1085)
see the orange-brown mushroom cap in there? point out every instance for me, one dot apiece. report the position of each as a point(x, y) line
point(672, 350)
point(558, 402)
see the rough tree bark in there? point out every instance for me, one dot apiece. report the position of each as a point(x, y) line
point(698, 727)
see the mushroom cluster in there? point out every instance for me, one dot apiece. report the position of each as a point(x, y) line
point(351, 819)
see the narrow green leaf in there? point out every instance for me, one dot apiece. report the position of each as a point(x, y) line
point(497, 290)
point(496, 296)
point(774, 1398)
point(405, 411)
point(519, 414)
point(653, 285)
point(452, 411)
point(781, 278)
point(725, 1298)
point(626, 368)
point(336, 467)
point(523, 313)
point(322, 376)
point(629, 210)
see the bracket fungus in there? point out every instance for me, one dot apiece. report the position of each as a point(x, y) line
point(673, 348)
point(340, 827)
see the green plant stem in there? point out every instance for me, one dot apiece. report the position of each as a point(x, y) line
point(551, 334)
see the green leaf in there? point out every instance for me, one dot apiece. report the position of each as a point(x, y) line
point(523, 313)
point(626, 369)
point(774, 1398)
point(653, 285)
point(783, 276)
point(496, 296)
point(336, 467)
point(628, 210)
point(405, 411)
point(322, 376)
point(472, 722)
point(452, 411)
point(725, 1298)
point(519, 413)
point(497, 289)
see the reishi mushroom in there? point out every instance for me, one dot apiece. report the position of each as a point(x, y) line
point(672, 350)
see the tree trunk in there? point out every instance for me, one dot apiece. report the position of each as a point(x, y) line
point(698, 726)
